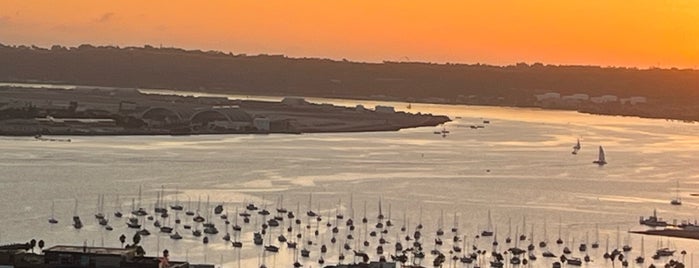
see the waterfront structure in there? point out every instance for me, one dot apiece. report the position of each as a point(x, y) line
point(384, 109)
point(261, 124)
point(366, 265)
point(82, 256)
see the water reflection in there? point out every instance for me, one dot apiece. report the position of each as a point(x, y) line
point(518, 165)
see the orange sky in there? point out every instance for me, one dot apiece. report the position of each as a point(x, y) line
point(641, 33)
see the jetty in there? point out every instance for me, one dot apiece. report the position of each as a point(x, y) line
point(681, 233)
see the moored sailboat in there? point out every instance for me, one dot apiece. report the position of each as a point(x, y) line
point(117, 210)
point(641, 256)
point(489, 229)
point(53, 220)
point(677, 200)
point(77, 223)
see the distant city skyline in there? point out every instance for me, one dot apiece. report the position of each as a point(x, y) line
point(639, 34)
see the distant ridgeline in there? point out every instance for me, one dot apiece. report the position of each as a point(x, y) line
point(659, 93)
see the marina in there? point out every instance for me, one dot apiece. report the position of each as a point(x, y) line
point(518, 169)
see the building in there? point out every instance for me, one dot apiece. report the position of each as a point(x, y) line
point(384, 109)
point(261, 124)
point(91, 122)
point(84, 256)
point(548, 96)
point(372, 264)
point(576, 97)
point(633, 100)
point(226, 118)
point(77, 256)
point(604, 99)
point(203, 118)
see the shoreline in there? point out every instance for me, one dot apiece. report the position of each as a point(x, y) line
point(647, 111)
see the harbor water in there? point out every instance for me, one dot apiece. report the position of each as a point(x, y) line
point(517, 166)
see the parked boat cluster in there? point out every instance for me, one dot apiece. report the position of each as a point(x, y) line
point(337, 235)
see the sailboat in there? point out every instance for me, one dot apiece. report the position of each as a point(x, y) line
point(310, 211)
point(270, 246)
point(99, 207)
point(640, 259)
point(140, 211)
point(280, 205)
point(523, 237)
point(677, 201)
point(509, 231)
point(440, 223)
point(165, 228)
point(176, 235)
point(77, 223)
point(189, 211)
point(627, 245)
point(488, 231)
point(600, 158)
point(117, 211)
point(596, 243)
point(542, 244)
point(576, 147)
point(176, 206)
point(560, 226)
point(52, 220)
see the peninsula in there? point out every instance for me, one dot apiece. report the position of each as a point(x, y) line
point(123, 111)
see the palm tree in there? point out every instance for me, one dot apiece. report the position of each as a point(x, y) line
point(32, 244)
point(41, 245)
point(140, 251)
point(136, 239)
point(122, 239)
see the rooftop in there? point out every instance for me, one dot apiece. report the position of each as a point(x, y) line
point(90, 250)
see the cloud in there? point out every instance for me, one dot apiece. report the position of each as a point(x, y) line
point(106, 17)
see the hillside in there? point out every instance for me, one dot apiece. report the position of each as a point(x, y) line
point(670, 93)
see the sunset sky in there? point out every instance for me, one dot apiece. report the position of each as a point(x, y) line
point(640, 33)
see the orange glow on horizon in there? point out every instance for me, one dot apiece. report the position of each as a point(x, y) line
point(640, 33)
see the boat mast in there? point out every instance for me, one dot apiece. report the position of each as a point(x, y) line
point(351, 206)
point(509, 228)
point(545, 234)
point(560, 225)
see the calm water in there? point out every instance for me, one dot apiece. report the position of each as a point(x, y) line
point(518, 166)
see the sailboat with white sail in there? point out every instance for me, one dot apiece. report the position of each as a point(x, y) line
point(600, 158)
